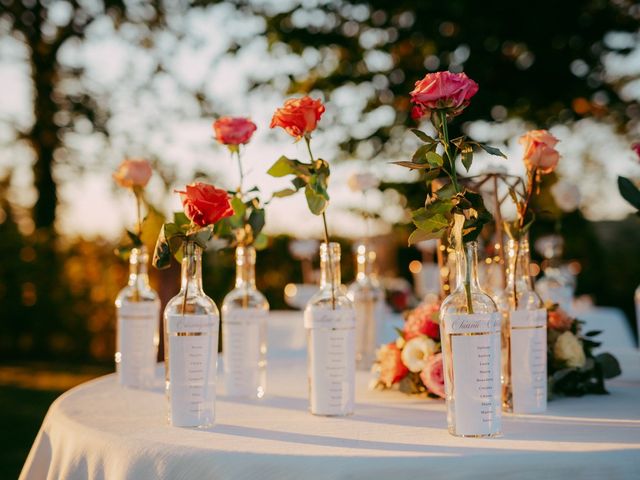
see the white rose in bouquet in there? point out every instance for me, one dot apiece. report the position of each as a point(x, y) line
point(416, 352)
point(569, 349)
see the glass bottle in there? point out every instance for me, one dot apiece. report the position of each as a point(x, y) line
point(637, 302)
point(555, 285)
point(470, 332)
point(329, 319)
point(138, 314)
point(244, 331)
point(191, 323)
point(368, 302)
point(524, 336)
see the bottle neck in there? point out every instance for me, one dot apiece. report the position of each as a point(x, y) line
point(365, 262)
point(245, 267)
point(467, 266)
point(330, 266)
point(138, 263)
point(191, 283)
point(518, 271)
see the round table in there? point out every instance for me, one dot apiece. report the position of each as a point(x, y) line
point(100, 430)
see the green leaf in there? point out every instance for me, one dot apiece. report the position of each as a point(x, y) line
point(239, 207)
point(447, 191)
point(412, 165)
point(467, 157)
point(317, 202)
point(629, 191)
point(431, 175)
point(284, 192)
point(162, 251)
point(430, 222)
point(420, 154)
point(298, 183)
point(608, 364)
point(151, 226)
point(257, 221)
point(261, 242)
point(201, 237)
point(491, 150)
point(180, 219)
point(419, 235)
point(423, 136)
point(434, 159)
point(135, 239)
point(286, 166)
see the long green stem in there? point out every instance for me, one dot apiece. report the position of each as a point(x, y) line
point(447, 150)
point(139, 211)
point(237, 152)
point(326, 237)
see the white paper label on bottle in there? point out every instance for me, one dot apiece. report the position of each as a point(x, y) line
point(193, 361)
point(241, 347)
point(137, 348)
point(476, 352)
point(529, 360)
point(331, 361)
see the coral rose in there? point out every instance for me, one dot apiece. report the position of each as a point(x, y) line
point(233, 130)
point(422, 320)
point(299, 116)
point(432, 375)
point(559, 320)
point(442, 91)
point(392, 370)
point(133, 173)
point(416, 352)
point(569, 350)
point(205, 204)
point(539, 151)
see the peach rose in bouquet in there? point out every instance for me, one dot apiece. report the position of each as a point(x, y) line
point(391, 368)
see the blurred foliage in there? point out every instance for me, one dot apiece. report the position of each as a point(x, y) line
point(542, 63)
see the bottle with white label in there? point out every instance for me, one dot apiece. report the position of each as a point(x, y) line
point(368, 302)
point(470, 333)
point(524, 336)
point(244, 331)
point(138, 313)
point(191, 323)
point(329, 319)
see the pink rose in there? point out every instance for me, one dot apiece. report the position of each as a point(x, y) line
point(636, 148)
point(539, 151)
point(133, 173)
point(233, 130)
point(433, 375)
point(422, 320)
point(299, 116)
point(205, 204)
point(392, 370)
point(559, 320)
point(442, 91)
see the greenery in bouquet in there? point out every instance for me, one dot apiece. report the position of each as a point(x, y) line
point(134, 175)
point(573, 368)
point(245, 226)
point(413, 363)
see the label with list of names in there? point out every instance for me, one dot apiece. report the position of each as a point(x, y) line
point(136, 350)
point(193, 360)
point(476, 355)
point(331, 366)
point(529, 360)
point(241, 350)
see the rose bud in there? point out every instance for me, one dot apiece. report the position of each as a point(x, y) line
point(133, 173)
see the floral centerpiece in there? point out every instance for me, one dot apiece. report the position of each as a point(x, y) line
point(413, 363)
point(573, 368)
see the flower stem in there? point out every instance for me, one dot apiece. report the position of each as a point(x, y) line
point(326, 237)
point(237, 152)
point(139, 211)
point(447, 150)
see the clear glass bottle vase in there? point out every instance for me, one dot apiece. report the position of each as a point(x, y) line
point(191, 322)
point(368, 302)
point(524, 336)
point(470, 333)
point(244, 331)
point(329, 319)
point(138, 317)
point(555, 285)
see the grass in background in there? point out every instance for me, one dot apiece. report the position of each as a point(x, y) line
point(26, 392)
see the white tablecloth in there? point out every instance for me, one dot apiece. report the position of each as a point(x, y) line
point(100, 430)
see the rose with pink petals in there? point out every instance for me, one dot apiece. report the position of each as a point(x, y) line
point(442, 91)
point(422, 320)
point(233, 130)
point(539, 151)
point(432, 375)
